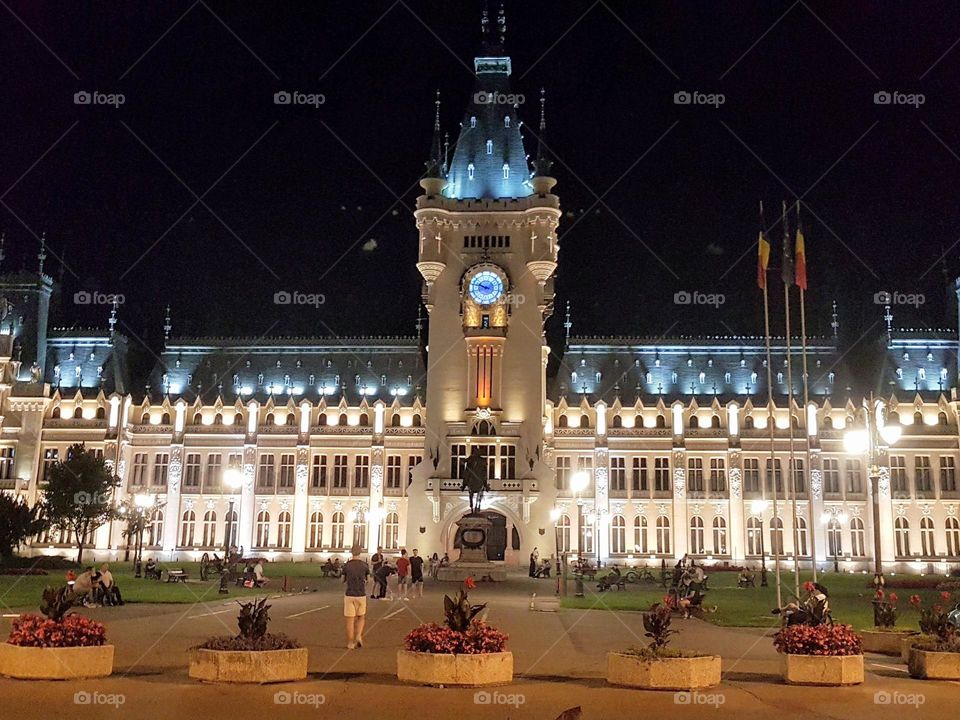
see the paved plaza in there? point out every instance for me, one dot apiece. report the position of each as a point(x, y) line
point(559, 664)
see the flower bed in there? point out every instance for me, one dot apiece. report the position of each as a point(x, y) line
point(820, 655)
point(433, 638)
point(42, 632)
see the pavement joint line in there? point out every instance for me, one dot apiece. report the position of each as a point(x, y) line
point(215, 612)
point(324, 607)
point(395, 612)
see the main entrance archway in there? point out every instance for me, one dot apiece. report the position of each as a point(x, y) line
point(496, 538)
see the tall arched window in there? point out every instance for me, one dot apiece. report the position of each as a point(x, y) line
point(391, 531)
point(395, 420)
point(187, 527)
point(857, 538)
point(927, 544)
point(316, 530)
point(696, 535)
point(801, 548)
point(360, 531)
point(952, 527)
point(663, 535)
point(342, 422)
point(230, 527)
point(618, 535)
point(901, 531)
point(155, 529)
point(617, 421)
point(661, 421)
point(776, 536)
point(336, 527)
point(640, 534)
point(834, 538)
point(417, 420)
point(263, 529)
point(284, 529)
point(563, 529)
point(753, 536)
point(719, 535)
point(209, 528)
point(562, 421)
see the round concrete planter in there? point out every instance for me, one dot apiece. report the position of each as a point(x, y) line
point(822, 669)
point(68, 663)
point(248, 666)
point(447, 669)
point(885, 642)
point(929, 665)
point(667, 673)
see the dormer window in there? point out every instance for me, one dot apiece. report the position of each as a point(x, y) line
point(506, 121)
point(489, 147)
point(506, 171)
point(470, 171)
point(473, 121)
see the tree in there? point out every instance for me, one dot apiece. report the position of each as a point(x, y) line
point(79, 494)
point(18, 521)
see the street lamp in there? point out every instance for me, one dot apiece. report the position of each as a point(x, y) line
point(555, 514)
point(579, 483)
point(841, 518)
point(376, 516)
point(759, 507)
point(233, 479)
point(869, 441)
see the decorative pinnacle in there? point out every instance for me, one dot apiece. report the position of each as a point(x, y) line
point(502, 25)
point(167, 326)
point(436, 119)
point(543, 109)
point(42, 255)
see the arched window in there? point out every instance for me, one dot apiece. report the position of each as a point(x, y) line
point(952, 527)
point(262, 538)
point(640, 534)
point(801, 548)
point(942, 418)
point(230, 525)
point(209, 528)
point(618, 535)
point(364, 420)
point(715, 421)
point(753, 536)
point(834, 538)
point(748, 422)
point(563, 533)
point(360, 532)
point(268, 419)
point(661, 421)
point(927, 544)
point(827, 422)
point(776, 536)
point(291, 418)
point(696, 535)
point(284, 529)
point(187, 526)
point(56, 412)
point(901, 531)
point(218, 419)
point(719, 535)
point(165, 420)
point(584, 421)
point(893, 417)
point(918, 418)
point(617, 421)
point(417, 420)
point(77, 413)
point(316, 530)
point(342, 422)
point(694, 422)
point(391, 531)
point(489, 147)
point(197, 418)
point(145, 418)
point(101, 412)
point(562, 421)
point(395, 420)
point(322, 420)
point(155, 529)
point(336, 526)
point(857, 538)
point(663, 535)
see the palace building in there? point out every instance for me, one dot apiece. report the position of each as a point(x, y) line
point(636, 450)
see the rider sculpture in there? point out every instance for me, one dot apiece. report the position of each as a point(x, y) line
point(475, 479)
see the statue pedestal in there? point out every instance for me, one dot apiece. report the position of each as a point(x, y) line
point(473, 531)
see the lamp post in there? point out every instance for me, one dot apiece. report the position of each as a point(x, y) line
point(868, 441)
point(375, 516)
point(759, 507)
point(826, 519)
point(579, 483)
point(142, 501)
point(555, 518)
point(233, 479)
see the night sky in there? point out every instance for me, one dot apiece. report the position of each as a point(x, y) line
point(319, 199)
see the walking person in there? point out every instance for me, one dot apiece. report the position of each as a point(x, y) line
point(376, 562)
point(434, 566)
point(355, 573)
point(403, 575)
point(416, 573)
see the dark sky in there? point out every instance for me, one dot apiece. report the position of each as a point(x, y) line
point(298, 193)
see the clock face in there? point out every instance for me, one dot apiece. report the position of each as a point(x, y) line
point(485, 287)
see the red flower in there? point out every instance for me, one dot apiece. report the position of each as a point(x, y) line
point(809, 586)
point(469, 583)
point(915, 600)
point(879, 594)
point(945, 596)
point(893, 597)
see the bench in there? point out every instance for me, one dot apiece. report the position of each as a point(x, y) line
point(174, 576)
point(610, 581)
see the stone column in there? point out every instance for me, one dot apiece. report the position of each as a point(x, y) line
point(300, 501)
point(171, 525)
point(735, 535)
point(679, 520)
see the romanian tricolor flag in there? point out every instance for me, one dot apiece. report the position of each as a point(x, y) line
point(800, 255)
point(763, 254)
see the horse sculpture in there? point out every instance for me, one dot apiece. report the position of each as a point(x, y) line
point(475, 480)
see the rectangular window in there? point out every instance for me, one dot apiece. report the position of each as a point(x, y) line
point(161, 465)
point(898, 473)
point(831, 476)
point(361, 472)
point(50, 458)
point(923, 475)
point(288, 470)
point(318, 473)
point(854, 476)
point(458, 456)
point(139, 473)
point(695, 474)
point(718, 475)
point(751, 475)
point(213, 478)
point(340, 471)
point(799, 478)
point(639, 474)
point(191, 471)
point(6, 463)
point(774, 474)
point(563, 473)
point(661, 474)
point(412, 462)
point(394, 471)
point(508, 462)
point(267, 475)
point(948, 474)
point(618, 474)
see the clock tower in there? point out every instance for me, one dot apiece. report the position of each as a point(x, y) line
point(487, 224)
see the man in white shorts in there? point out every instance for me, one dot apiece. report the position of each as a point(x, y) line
point(355, 573)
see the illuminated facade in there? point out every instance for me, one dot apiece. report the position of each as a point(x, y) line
point(361, 441)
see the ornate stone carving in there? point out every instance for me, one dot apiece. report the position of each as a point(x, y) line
point(816, 483)
point(679, 482)
point(735, 482)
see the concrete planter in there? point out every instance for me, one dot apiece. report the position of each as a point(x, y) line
point(446, 669)
point(929, 665)
point(248, 666)
point(885, 642)
point(666, 673)
point(68, 663)
point(906, 645)
point(822, 669)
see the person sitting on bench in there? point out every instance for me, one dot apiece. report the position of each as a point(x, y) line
point(86, 585)
point(108, 592)
point(259, 578)
point(151, 570)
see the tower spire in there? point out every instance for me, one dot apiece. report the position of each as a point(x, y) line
point(888, 317)
point(567, 324)
point(112, 322)
point(419, 324)
point(42, 255)
point(834, 321)
point(435, 163)
point(543, 163)
point(167, 326)
point(3, 254)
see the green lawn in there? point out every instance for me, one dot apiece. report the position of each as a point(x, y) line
point(849, 599)
point(25, 591)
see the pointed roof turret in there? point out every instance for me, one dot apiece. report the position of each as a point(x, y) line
point(435, 177)
point(542, 179)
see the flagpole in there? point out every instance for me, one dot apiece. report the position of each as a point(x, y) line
point(770, 425)
point(811, 531)
point(787, 276)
